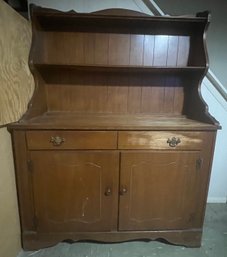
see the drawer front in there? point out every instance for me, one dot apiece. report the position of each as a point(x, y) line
point(161, 140)
point(58, 139)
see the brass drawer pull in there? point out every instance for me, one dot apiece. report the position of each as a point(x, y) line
point(57, 141)
point(173, 142)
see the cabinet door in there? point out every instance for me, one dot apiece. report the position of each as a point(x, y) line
point(75, 191)
point(159, 190)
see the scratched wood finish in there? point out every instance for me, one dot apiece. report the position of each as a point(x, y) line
point(159, 140)
point(15, 78)
point(114, 87)
point(168, 200)
point(71, 190)
point(171, 191)
point(105, 121)
point(119, 68)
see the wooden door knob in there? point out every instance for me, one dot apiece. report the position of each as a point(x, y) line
point(123, 190)
point(108, 191)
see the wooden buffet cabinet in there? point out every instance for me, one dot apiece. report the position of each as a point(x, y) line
point(117, 142)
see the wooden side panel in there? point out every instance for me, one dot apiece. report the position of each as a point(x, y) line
point(75, 191)
point(24, 182)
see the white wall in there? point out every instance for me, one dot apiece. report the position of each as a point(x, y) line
point(9, 218)
point(217, 106)
point(218, 109)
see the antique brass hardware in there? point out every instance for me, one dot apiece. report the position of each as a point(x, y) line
point(30, 165)
point(57, 141)
point(108, 191)
point(173, 142)
point(199, 163)
point(123, 190)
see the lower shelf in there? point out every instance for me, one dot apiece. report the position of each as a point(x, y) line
point(107, 121)
point(188, 238)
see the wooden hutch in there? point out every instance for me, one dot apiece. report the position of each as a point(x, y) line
point(117, 142)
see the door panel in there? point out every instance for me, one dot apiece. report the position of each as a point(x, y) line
point(160, 190)
point(75, 191)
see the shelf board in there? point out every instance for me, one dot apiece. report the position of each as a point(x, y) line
point(121, 68)
point(116, 21)
point(68, 74)
point(94, 121)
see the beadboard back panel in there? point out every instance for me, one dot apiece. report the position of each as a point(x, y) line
point(110, 97)
point(113, 49)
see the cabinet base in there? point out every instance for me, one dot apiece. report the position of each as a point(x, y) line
point(188, 238)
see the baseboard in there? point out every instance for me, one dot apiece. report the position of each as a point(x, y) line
point(217, 200)
point(20, 254)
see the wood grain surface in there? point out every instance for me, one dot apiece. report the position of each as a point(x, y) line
point(16, 81)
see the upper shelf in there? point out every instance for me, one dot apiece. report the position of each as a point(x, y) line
point(117, 21)
point(121, 68)
point(118, 50)
point(52, 73)
point(118, 37)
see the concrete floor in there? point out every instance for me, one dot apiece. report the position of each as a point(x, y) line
point(214, 243)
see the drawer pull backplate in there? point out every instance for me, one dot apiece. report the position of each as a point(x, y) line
point(173, 142)
point(57, 141)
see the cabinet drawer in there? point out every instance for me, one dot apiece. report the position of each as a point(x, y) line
point(58, 139)
point(161, 140)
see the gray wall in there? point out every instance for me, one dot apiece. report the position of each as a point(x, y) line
point(217, 32)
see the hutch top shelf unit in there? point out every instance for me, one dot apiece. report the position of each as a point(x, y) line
point(124, 65)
